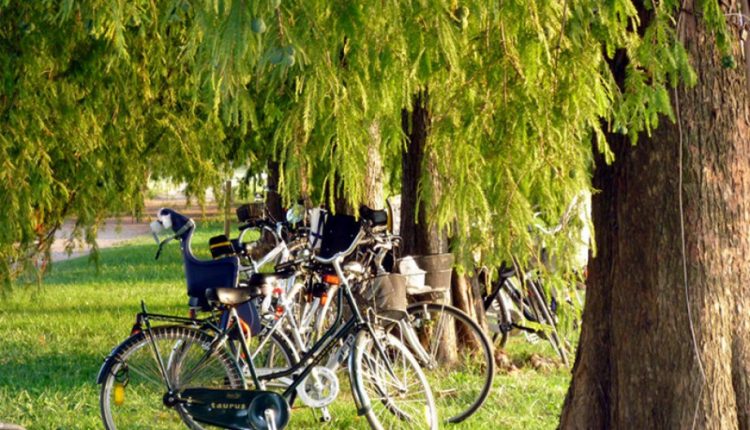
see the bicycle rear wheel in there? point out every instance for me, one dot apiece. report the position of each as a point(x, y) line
point(460, 375)
point(133, 390)
point(546, 316)
point(389, 387)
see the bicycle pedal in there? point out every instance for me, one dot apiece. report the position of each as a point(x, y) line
point(326, 416)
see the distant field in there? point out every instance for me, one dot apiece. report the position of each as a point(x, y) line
point(54, 338)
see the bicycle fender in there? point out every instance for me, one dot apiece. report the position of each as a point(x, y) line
point(361, 408)
point(111, 359)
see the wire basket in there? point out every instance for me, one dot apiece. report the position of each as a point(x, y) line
point(385, 295)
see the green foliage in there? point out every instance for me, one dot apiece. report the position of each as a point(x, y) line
point(98, 95)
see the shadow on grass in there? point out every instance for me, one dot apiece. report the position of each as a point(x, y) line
point(125, 264)
point(129, 263)
point(54, 371)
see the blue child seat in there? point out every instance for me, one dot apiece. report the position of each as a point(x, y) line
point(202, 275)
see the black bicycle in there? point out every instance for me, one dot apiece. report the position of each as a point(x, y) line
point(518, 303)
point(191, 373)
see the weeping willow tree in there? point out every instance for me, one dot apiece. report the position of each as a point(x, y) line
point(94, 101)
point(518, 91)
point(512, 94)
point(514, 97)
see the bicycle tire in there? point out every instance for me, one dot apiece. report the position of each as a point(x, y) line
point(502, 319)
point(372, 384)
point(137, 400)
point(475, 359)
point(544, 315)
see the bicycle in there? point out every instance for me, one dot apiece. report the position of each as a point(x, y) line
point(520, 305)
point(518, 302)
point(461, 377)
point(472, 358)
point(189, 373)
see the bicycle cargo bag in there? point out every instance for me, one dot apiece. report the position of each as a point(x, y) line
point(220, 247)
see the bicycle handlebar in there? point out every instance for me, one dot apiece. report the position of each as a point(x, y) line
point(564, 219)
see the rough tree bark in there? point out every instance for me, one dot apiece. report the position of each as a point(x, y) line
point(374, 169)
point(419, 235)
point(637, 365)
point(273, 198)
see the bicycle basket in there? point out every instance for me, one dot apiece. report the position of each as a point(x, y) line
point(250, 211)
point(386, 296)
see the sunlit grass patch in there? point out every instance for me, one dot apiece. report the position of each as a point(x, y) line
point(54, 339)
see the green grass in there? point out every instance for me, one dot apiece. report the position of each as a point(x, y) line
point(55, 336)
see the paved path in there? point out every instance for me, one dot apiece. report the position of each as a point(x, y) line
point(110, 234)
point(115, 231)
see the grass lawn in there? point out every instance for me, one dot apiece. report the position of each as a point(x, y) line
point(55, 336)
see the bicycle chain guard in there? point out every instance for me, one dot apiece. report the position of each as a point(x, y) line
point(236, 409)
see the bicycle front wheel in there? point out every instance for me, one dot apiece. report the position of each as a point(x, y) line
point(389, 386)
point(455, 355)
point(133, 390)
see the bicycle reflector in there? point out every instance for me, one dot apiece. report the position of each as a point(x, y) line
point(121, 381)
point(331, 279)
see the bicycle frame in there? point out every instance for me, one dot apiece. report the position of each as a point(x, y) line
point(307, 362)
point(537, 306)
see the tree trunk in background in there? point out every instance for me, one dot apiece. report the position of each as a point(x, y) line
point(373, 196)
point(422, 238)
point(227, 207)
point(636, 366)
point(273, 198)
point(374, 170)
point(419, 236)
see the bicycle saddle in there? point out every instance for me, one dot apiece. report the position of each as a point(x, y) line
point(376, 217)
point(259, 279)
point(232, 296)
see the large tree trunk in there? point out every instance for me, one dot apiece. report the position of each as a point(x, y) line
point(273, 198)
point(639, 366)
point(419, 235)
